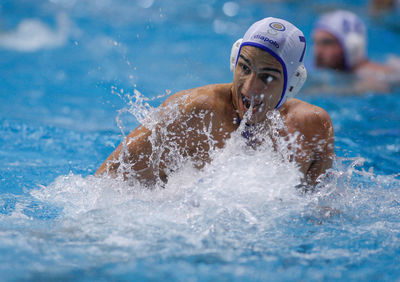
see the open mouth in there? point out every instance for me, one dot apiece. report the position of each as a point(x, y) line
point(247, 103)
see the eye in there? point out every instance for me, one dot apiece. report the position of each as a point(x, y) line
point(245, 68)
point(267, 78)
point(327, 42)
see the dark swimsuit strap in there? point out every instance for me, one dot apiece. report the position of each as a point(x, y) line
point(246, 132)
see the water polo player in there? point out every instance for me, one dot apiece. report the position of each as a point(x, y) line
point(340, 41)
point(268, 69)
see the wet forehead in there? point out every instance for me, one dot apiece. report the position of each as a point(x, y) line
point(260, 58)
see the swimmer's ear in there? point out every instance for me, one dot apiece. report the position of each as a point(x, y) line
point(235, 53)
point(296, 82)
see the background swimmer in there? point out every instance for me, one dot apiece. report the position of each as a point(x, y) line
point(268, 68)
point(381, 6)
point(340, 41)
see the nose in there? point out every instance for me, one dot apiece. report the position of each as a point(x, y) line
point(252, 86)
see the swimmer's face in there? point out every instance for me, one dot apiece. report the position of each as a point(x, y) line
point(258, 79)
point(328, 52)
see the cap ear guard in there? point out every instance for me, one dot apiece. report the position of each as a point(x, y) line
point(294, 85)
point(355, 48)
point(296, 82)
point(234, 53)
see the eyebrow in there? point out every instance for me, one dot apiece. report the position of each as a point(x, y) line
point(263, 69)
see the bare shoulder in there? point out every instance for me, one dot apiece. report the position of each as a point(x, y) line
point(208, 97)
point(307, 118)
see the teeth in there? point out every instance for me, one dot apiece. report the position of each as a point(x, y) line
point(247, 103)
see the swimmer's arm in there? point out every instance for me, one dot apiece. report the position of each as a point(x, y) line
point(139, 158)
point(132, 157)
point(322, 148)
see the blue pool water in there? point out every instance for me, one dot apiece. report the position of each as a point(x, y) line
point(68, 70)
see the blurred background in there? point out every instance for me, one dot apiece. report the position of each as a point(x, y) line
point(73, 75)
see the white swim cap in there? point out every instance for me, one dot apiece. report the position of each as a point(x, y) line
point(284, 42)
point(350, 32)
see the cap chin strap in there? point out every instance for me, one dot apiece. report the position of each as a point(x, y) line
point(295, 83)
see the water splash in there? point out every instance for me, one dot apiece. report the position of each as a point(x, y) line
point(241, 208)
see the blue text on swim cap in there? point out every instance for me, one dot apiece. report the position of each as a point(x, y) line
point(266, 39)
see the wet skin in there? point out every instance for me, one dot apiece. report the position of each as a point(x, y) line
point(258, 80)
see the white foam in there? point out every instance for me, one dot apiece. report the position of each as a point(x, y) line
point(145, 3)
point(241, 188)
point(32, 35)
point(239, 198)
point(230, 9)
point(239, 191)
point(244, 201)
